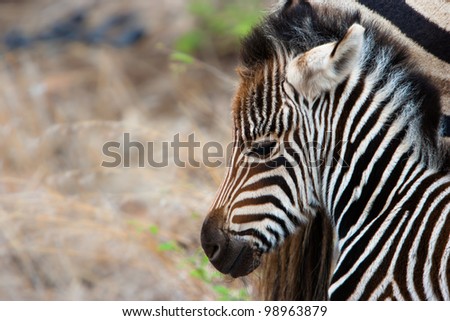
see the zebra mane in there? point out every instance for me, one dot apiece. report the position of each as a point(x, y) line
point(297, 29)
point(300, 269)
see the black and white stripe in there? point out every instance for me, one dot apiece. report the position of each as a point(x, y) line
point(365, 152)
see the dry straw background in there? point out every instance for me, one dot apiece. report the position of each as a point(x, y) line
point(69, 228)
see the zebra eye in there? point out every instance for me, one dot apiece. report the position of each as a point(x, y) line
point(262, 149)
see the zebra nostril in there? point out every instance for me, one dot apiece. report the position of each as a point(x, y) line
point(215, 252)
point(214, 246)
point(213, 240)
point(227, 253)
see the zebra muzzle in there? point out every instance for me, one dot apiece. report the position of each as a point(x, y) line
point(226, 253)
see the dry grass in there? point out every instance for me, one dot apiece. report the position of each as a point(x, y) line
point(68, 225)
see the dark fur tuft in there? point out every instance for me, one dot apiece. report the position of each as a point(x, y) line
point(256, 49)
point(297, 29)
point(301, 268)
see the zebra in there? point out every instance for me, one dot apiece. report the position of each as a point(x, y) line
point(415, 25)
point(335, 135)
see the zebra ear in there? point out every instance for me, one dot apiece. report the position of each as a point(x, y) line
point(324, 67)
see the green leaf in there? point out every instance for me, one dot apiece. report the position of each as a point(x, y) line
point(195, 215)
point(203, 259)
point(217, 275)
point(202, 8)
point(182, 57)
point(153, 229)
point(222, 290)
point(189, 42)
point(242, 29)
point(201, 274)
point(168, 246)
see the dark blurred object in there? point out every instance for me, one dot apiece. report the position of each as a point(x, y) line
point(120, 30)
point(15, 39)
point(445, 119)
point(109, 26)
point(70, 29)
point(130, 37)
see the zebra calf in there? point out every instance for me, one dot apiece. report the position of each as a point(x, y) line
point(332, 120)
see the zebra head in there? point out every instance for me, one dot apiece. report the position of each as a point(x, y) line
point(271, 185)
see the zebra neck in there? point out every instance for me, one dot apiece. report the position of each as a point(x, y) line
point(383, 177)
point(412, 213)
point(371, 149)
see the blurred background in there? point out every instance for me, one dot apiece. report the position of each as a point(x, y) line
point(76, 74)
